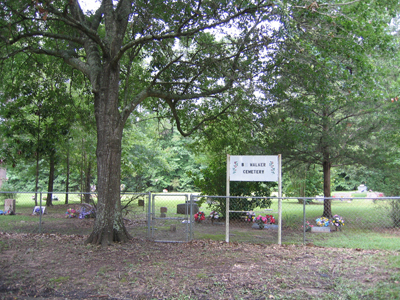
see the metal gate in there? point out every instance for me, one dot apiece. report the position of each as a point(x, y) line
point(170, 217)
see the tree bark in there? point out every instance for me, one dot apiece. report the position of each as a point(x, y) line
point(109, 226)
point(327, 189)
point(326, 162)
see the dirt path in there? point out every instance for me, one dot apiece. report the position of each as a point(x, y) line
point(53, 266)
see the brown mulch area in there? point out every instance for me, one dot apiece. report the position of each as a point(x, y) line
point(53, 266)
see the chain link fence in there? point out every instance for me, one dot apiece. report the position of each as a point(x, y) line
point(70, 213)
point(171, 216)
point(363, 222)
point(246, 216)
point(354, 222)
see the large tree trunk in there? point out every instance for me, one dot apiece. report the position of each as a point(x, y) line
point(327, 189)
point(109, 226)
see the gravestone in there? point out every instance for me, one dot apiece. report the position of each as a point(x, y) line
point(320, 229)
point(163, 211)
point(266, 226)
point(362, 188)
point(9, 205)
point(36, 210)
point(185, 208)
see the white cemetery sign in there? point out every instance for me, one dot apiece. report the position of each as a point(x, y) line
point(254, 168)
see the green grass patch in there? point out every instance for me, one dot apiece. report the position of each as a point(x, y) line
point(359, 195)
point(59, 279)
point(355, 239)
point(383, 290)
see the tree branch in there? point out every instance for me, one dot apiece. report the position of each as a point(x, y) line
point(179, 33)
point(65, 55)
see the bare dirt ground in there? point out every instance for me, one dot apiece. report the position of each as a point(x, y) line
point(53, 266)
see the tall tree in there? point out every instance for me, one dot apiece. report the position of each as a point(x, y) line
point(328, 92)
point(133, 50)
point(155, 156)
point(32, 123)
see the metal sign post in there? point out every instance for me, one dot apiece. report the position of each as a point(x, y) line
point(228, 159)
point(280, 200)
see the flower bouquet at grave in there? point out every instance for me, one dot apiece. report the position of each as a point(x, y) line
point(250, 216)
point(71, 213)
point(198, 217)
point(270, 219)
point(259, 220)
point(262, 221)
point(338, 222)
point(86, 211)
point(214, 215)
point(322, 222)
point(308, 226)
